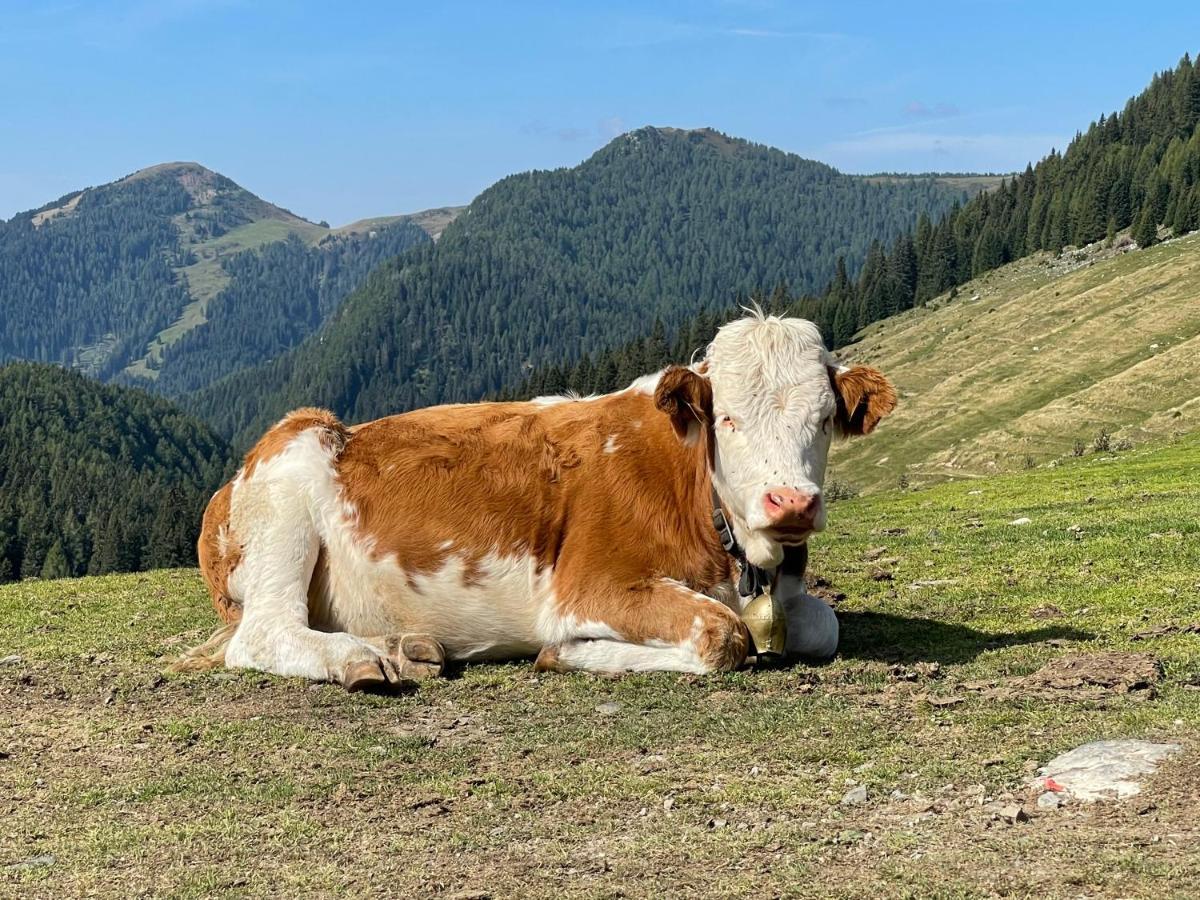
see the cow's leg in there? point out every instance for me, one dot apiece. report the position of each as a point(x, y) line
point(660, 627)
point(280, 545)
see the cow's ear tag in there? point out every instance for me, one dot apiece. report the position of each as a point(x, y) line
point(767, 624)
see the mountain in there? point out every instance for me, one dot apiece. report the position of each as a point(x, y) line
point(177, 274)
point(660, 223)
point(97, 478)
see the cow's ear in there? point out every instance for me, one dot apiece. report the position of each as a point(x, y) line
point(864, 396)
point(687, 398)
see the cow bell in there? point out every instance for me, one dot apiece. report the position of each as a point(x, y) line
point(767, 624)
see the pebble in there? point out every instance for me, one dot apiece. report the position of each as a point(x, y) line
point(1024, 520)
point(1049, 800)
point(609, 709)
point(856, 796)
point(10, 660)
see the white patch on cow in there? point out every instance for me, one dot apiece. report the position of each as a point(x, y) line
point(569, 397)
point(636, 423)
point(645, 384)
point(610, 445)
point(276, 513)
point(617, 656)
point(551, 400)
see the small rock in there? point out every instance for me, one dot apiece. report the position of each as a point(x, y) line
point(34, 862)
point(609, 709)
point(717, 823)
point(874, 553)
point(12, 660)
point(1049, 800)
point(669, 804)
point(856, 796)
point(1013, 813)
point(1024, 520)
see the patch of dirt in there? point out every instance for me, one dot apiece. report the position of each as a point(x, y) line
point(1087, 677)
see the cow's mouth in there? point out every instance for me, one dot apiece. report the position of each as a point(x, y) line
point(791, 536)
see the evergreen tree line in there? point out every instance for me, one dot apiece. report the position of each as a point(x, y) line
point(543, 266)
point(97, 478)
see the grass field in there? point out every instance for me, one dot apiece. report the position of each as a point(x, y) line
point(116, 780)
point(1031, 358)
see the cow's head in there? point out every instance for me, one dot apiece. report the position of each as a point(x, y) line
point(771, 396)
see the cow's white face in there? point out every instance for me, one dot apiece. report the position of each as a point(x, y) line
point(773, 397)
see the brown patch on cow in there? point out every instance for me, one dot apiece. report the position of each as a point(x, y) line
point(864, 397)
point(332, 434)
point(219, 553)
point(506, 479)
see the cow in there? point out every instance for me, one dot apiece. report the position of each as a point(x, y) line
point(578, 531)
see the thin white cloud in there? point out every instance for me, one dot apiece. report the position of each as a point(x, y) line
point(918, 110)
point(774, 33)
point(989, 152)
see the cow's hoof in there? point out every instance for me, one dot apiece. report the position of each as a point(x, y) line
point(380, 674)
point(415, 656)
point(421, 656)
point(548, 660)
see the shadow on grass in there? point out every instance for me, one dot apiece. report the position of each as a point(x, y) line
point(880, 636)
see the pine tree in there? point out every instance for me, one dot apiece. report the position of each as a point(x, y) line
point(1146, 231)
point(56, 565)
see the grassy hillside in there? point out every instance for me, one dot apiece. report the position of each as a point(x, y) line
point(115, 781)
point(1032, 358)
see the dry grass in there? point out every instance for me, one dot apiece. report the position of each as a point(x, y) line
point(1030, 359)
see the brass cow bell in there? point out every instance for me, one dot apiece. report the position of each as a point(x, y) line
point(767, 624)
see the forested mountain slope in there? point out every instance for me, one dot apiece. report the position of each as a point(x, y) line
point(97, 478)
point(660, 223)
point(113, 279)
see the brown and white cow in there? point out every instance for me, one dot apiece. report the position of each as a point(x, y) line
point(579, 530)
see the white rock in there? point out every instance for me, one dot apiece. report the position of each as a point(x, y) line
point(855, 796)
point(1021, 521)
point(1104, 770)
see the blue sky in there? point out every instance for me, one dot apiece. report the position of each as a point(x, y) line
point(345, 110)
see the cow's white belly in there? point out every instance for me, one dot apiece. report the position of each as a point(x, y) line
point(499, 608)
